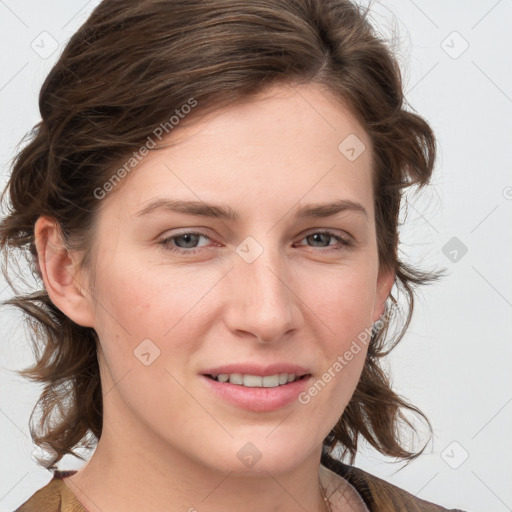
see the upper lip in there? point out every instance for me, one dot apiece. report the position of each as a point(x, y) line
point(255, 369)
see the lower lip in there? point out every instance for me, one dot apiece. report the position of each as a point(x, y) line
point(258, 399)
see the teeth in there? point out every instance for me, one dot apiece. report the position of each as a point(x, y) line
point(270, 381)
point(253, 381)
point(256, 381)
point(236, 378)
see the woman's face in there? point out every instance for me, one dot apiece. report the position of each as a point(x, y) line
point(243, 283)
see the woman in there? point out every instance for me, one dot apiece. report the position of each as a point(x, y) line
point(211, 201)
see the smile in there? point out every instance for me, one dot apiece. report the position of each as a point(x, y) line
point(258, 393)
point(256, 381)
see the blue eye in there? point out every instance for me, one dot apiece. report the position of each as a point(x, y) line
point(344, 242)
point(190, 238)
point(186, 243)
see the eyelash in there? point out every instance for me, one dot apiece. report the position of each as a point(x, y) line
point(165, 243)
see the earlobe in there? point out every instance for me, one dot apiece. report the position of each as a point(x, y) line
point(385, 282)
point(60, 273)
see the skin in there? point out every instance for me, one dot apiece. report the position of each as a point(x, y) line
point(167, 439)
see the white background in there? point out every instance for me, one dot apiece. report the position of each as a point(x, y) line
point(454, 362)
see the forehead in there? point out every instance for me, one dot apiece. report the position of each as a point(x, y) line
point(296, 142)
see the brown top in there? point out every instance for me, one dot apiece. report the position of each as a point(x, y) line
point(377, 494)
point(53, 497)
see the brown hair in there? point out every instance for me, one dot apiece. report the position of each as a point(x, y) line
point(126, 71)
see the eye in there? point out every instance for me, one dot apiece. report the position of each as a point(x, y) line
point(321, 237)
point(184, 243)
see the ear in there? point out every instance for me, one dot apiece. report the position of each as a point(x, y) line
point(385, 281)
point(60, 273)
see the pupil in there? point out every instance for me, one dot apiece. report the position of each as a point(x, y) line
point(317, 235)
point(191, 239)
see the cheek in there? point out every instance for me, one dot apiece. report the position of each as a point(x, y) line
point(169, 307)
point(342, 303)
point(344, 306)
point(343, 299)
point(148, 300)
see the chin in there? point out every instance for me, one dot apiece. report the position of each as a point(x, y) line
point(263, 453)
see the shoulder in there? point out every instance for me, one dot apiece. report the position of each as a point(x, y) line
point(53, 497)
point(378, 494)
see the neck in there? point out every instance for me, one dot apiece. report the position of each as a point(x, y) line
point(155, 476)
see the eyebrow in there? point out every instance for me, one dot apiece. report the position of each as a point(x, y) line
point(202, 209)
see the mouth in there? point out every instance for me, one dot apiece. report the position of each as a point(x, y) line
point(257, 381)
point(257, 389)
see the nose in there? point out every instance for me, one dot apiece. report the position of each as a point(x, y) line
point(263, 302)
